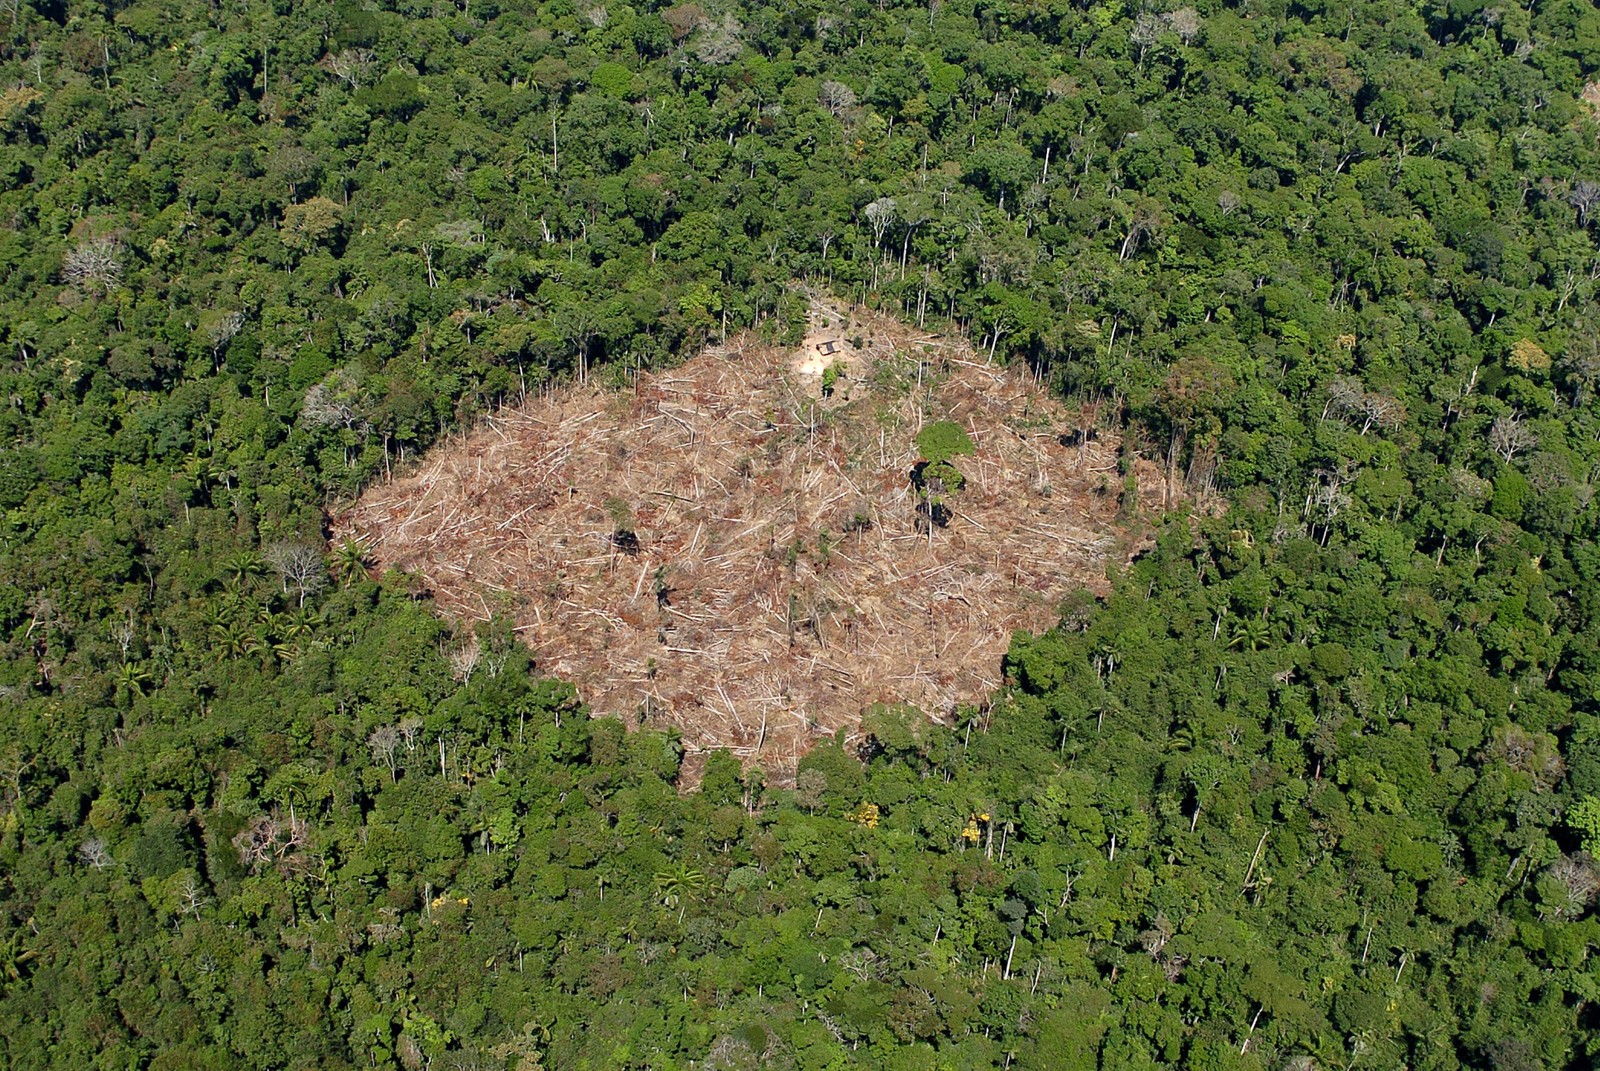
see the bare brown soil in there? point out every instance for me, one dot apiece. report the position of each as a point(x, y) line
point(783, 580)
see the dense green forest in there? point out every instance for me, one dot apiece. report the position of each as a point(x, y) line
point(1317, 786)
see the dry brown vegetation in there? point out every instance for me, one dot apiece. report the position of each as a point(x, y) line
point(783, 580)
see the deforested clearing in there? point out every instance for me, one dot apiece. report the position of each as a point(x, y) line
point(724, 549)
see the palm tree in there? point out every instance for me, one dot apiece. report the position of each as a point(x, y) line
point(241, 567)
point(235, 640)
point(350, 562)
point(1250, 634)
point(677, 885)
point(234, 598)
point(130, 680)
point(216, 615)
point(298, 623)
point(13, 957)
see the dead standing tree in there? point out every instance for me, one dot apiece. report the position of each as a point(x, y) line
point(299, 564)
point(880, 215)
point(1583, 196)
point(837, 97)
point(93, 266)
point(383, 742)
point(1508, 437)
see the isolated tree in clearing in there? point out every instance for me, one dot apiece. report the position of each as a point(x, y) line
point(623, 536)
point(934, 476)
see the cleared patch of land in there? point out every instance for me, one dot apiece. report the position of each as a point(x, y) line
point(779, 578)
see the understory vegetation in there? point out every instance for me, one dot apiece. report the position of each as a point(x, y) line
point(1316, 786)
